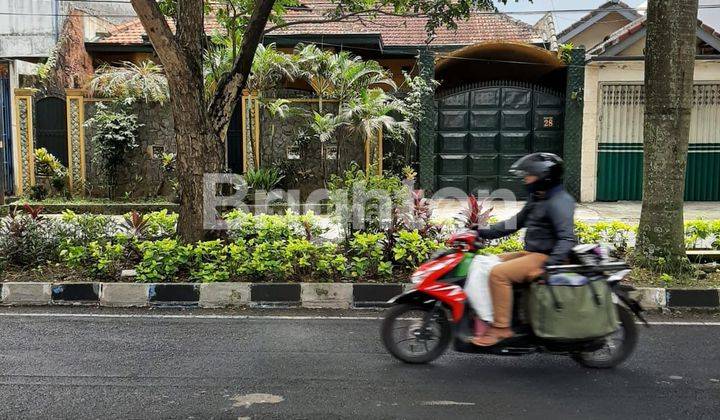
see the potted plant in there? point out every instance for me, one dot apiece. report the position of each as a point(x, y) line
point(50, 174)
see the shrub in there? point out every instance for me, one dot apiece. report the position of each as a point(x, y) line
point(27, 240)
point(618, 235)
point(272, 227)
point(79, 229)
point(162, 260)
point(115, 137)
point(702, 233)
point(263, 179)
point(99, 259)
point(501, 246)
point(367, 255)
point(267, 260)
point(308, 260)
point(358, 193)
point(162, 224)
point(411, 248)
point(239, 258)
point(209, 262)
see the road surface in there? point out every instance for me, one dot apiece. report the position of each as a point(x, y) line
point(77, 363)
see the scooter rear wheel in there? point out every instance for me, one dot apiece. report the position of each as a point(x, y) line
point(415, 334)
point(618, 345)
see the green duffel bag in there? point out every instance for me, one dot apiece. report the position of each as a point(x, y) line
point(571, 307)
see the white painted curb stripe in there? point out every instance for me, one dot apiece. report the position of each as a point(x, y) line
point(270, 317)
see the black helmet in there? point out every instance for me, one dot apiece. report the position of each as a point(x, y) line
point(546, 166)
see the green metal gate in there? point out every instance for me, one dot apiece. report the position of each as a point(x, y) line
point(620, 149)
point(483, 128)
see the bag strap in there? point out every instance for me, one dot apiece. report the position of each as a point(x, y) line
point(556, 302)
point(595, 294)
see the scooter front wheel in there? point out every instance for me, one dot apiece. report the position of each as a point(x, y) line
point(415, 333)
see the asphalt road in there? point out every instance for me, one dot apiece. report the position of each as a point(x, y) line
point(152, 366)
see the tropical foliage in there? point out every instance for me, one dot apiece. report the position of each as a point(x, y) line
point(130, 82)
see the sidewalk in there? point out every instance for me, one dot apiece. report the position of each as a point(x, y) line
point(626, 211)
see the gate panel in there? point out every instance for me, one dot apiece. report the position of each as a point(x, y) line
point(6, 132)
point(51, 127)
point(484, 128)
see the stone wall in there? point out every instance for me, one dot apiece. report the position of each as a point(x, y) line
point(143, 176)
point(282, 138)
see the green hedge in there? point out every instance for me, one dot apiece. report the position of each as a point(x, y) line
point(281, 248)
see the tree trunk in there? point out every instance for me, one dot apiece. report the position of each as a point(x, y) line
point(669, 65)
point(198, 130)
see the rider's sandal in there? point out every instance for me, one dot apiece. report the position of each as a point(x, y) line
point(493, 336)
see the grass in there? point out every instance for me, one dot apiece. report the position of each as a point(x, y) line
point(646, 278)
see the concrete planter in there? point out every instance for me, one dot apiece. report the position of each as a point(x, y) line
point(326, 295)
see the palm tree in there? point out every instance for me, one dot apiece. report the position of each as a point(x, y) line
point(368, 113)
point(270, 67)
point(131, 81)
point(324, 127)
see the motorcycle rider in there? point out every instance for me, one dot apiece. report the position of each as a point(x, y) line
point(548, 217)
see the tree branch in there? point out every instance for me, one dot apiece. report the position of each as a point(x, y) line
point(340, 18)
point(231, 84)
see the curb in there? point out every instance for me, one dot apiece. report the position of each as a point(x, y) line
point(306, 295)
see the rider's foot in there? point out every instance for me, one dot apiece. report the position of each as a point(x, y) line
point(492, 336)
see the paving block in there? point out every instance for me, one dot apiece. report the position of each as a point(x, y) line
point(19, 293)
point(326, 295)
point(124, 294)
point(220, 295)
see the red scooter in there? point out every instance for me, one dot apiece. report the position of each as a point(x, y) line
point(421, 323)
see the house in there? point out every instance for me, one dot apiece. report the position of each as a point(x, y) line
point(502, 91)
point(29, 32)
point(501, 94)
point(614, 38)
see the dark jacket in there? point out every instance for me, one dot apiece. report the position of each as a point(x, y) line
point(550, 225)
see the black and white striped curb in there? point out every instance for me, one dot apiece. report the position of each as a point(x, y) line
point(308, 295)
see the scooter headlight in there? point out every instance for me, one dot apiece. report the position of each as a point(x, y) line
point(419, 277)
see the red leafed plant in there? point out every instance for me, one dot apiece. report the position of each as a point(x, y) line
point(475, 215)
point(136, 224)
point(33, 212)
point(418, 216)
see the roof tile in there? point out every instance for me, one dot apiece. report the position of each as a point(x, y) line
point(394, 30)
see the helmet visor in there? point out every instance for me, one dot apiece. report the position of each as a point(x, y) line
point(520, 173)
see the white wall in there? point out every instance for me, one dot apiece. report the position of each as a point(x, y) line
point(23, 32)
point(597, 72)
point(29, 28)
